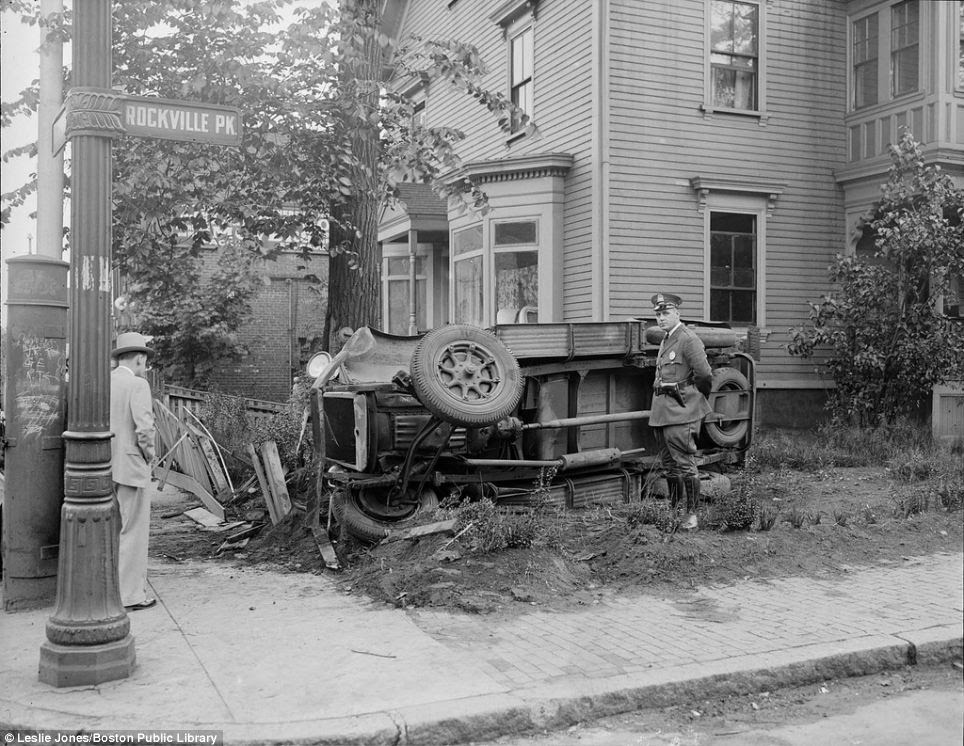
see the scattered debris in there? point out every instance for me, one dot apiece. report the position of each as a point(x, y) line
point(203, 517)
point(270, 475)
point(427, 529)
point(325, 547)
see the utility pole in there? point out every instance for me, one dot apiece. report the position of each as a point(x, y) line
point(36, 364)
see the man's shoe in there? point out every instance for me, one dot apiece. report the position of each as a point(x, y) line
point(691, 522)
point(145, 604)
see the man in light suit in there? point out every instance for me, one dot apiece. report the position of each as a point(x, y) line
point(683, 381)
point(132, 456)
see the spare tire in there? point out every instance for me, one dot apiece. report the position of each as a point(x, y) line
point(729, 432)
point(466, 376)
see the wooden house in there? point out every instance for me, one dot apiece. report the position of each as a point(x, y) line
point(723, 150)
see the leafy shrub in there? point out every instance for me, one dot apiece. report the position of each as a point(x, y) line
point(482, 526)
point(888, 342)
point(736, 509)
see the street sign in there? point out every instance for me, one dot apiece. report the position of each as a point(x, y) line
point(181, 120)
point(167, 119)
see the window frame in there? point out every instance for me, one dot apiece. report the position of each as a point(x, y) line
point(401, 251)
point(709, 105)
point(895, 50)
point(886, 91)
point(736, 195)
point(959, 85)
point(854, 106)
point(516, 18)
point(730, 289)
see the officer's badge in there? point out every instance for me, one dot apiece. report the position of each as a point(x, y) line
point(672, 355)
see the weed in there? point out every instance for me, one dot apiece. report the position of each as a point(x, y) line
point(767, 518)
point(868, 514)
point(735, 509)
point(817, 518)
point(913, 503)
point(797, 516)
point(485, 527)
point(841, 518)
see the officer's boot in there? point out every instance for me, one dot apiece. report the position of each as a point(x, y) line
point(676, 491)
point(692, 502)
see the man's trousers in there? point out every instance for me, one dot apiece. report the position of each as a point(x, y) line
point(135, 510)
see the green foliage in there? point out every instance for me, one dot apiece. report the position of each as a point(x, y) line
point(888, 337)
point(482, 526)
point(736, 509)
point(323, 149)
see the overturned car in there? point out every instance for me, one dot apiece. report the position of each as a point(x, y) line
point(520, 413)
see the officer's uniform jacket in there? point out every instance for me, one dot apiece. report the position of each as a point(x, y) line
point(132, 423)
point(681, 360)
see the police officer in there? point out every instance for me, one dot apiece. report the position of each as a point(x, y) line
point(683, 381)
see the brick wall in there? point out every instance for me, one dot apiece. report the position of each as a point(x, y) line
point(288, 316)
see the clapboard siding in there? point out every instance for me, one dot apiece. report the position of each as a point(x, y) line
point(563, 109)
point(661, 138)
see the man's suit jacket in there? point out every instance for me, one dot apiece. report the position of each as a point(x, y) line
point(132, 423)
point(682, 360)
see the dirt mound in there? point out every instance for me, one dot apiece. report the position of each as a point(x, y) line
point(822, 524)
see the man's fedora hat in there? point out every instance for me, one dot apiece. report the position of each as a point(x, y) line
point(662, 301)
point(131, 342)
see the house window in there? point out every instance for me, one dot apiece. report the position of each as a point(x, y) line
point(396, 280)
point(520, 70)
point(904, 48)
point(516, 271)
point(953, 301)
point(734, 55)
point(960, 46)
point(733, 282)
point(865, 61)
point(467, 272)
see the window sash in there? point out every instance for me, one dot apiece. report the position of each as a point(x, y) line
point(905, 48)
point(469, 290)
point(734, 54)
point(865, 70)
point(521, 55)
point(733, 272)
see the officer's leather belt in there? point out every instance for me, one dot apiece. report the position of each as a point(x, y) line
point(668, 387)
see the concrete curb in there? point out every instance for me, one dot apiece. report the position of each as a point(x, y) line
point(549, 708)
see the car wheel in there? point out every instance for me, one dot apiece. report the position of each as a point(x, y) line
point(729, 432)
point(368, 515)
point(466, 376)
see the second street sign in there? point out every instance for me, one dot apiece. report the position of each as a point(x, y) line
point(181, 120)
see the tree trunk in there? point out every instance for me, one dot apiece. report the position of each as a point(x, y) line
point(354, 279)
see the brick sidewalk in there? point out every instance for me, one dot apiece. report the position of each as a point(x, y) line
point(629, 635)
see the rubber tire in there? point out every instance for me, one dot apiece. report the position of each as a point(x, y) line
point(437, 371)
point(721, 433)
point(361, 524)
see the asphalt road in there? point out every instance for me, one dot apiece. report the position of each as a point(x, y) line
point(912, 707)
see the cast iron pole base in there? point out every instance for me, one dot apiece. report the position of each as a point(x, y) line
point(74, 665)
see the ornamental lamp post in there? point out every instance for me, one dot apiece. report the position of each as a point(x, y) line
point(88, 634)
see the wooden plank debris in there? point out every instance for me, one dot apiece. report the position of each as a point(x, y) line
point(325, 547)
point(276, 478)
point(189, 484)
point(203, 517)
point(427, 529)
point(263, 483)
